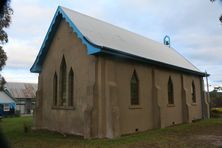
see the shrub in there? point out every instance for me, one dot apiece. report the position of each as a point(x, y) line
point(3, 140)
point(216, 112)
point(26, 127)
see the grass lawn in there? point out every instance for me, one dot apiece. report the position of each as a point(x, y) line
point(206, 133)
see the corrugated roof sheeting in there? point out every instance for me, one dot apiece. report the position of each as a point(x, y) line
point(22, 90)
point(107, 35)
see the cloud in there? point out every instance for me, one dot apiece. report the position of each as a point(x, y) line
point(21, 53)
point(30, 19)
point(192, 25)
point(19, 75)
point(201, 47)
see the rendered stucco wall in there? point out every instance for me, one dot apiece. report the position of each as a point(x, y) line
point(137, 117)
point(118, 117)
point(66, 120)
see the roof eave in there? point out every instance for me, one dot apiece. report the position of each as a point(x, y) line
point(121, 54)
point(107, 50)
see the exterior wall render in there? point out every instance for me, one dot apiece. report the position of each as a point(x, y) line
point(154, 110)
point(102, 93)
point(64, 119)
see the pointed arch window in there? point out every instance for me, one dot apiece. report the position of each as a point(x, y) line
point(63, 82)
point(193, 92)
point(134, 89)
point(55, 87)
point(71, 88)
point(170, 91)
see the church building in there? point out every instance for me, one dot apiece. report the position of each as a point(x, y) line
point(98, 80)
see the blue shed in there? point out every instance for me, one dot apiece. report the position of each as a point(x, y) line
point(7, 104)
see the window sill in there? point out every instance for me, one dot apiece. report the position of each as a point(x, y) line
point(171, 105)
point(63, 107)
point(194, 104)
point(135, 107)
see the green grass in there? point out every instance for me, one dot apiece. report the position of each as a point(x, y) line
point(185, 135)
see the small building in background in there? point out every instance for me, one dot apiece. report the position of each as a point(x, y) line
point(7, 104)
point(24, 94)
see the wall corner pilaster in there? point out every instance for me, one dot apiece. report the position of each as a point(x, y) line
point(205, 101)
point(159, 109)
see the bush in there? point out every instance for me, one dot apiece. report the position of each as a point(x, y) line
point(27, 127)
point(3, 140)
point(216, 112)
point(17, 113)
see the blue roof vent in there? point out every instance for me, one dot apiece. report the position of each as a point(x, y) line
point(166, 40)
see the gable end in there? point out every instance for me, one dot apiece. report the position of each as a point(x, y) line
point(59, 15)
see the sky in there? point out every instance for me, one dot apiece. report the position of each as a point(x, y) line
point(193, 27)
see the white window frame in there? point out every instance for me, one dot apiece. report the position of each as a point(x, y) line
point(6, 108)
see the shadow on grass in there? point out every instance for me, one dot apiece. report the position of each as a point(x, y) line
point(18, 130)
point(4, 143)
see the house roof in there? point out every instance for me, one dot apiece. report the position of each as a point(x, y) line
point(5, 99)
point(21, 90)
point(101, 37)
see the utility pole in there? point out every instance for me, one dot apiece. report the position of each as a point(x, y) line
point(208, 95)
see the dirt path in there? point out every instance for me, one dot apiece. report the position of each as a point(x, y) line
point(214, 140)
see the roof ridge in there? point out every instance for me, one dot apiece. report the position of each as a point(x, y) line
point(126, 30)
point(109, 23)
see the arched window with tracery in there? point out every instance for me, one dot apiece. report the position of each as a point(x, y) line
point(63, 82)
point(170, 91)
point(193, 92)
point(55, 88)
point(134, 89)
point(71, 88)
